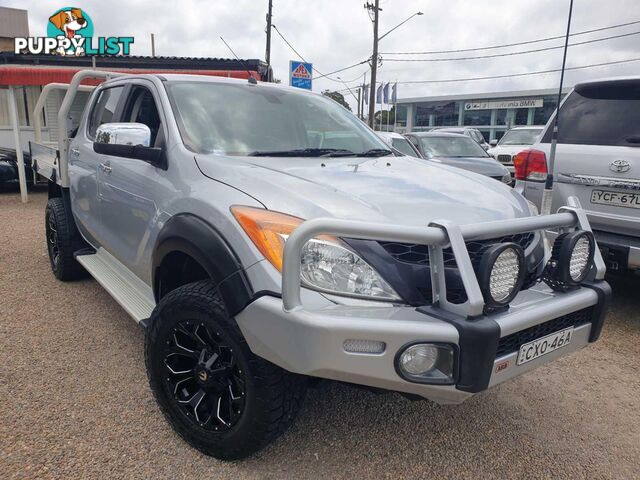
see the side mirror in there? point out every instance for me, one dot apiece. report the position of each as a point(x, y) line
point(493, 142)
point(128, 140)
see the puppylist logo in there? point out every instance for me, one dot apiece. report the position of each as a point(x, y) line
point(70, 32)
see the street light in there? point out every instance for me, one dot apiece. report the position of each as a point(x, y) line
point(374, 58)
point(417, 14)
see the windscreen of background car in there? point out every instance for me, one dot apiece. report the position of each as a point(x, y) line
point(601, 114)
point(241, 119)
point(458, 146)
point(403, 146)
point(520, 137)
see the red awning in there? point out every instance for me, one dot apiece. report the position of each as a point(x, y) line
point(19, 75)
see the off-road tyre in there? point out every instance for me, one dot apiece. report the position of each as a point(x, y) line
point(62, 241)
point(271, 396)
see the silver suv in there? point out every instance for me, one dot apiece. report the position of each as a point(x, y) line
point(597, 161)
point(263, 235)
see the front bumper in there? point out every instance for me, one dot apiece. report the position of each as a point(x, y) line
point(311, 341)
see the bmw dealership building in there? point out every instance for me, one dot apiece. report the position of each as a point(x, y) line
point(491, 113)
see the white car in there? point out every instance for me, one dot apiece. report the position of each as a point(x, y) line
point(400, 143)
point(513, 142)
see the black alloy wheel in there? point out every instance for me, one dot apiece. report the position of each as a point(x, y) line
point(215, 392)
point(204, 376)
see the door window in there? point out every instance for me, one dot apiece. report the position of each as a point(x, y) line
point(104, 109)
point(601, 114)
point(141, 108)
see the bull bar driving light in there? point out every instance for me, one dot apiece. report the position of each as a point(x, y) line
point(571, 260)
point(501, 274)
point(432, 363)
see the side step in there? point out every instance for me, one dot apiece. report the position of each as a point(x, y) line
point(126, 289)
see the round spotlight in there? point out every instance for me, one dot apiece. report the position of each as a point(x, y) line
point(573, 253)
point(501, 273)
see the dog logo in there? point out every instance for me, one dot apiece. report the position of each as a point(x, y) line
point(620, 166)
point(73, 26)
point(70, 32)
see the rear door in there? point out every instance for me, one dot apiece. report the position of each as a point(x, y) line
point(598, 153)
point(84, 164)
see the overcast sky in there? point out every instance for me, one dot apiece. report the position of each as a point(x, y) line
point(337, 33)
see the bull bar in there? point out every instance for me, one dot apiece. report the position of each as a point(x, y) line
point(310, 340)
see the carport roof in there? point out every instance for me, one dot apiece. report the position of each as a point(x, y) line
point(43, 69)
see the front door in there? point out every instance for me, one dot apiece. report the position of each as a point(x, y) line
point(131, 189)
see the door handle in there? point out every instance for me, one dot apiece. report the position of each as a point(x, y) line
point(106, 168)
point(75, 152)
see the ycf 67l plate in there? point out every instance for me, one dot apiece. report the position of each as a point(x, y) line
point(628, 200)
point(542, 346)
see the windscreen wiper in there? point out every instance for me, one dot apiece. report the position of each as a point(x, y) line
point(304, 152)
point(375, 152)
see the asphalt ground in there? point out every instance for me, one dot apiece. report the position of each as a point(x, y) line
point(75, 402)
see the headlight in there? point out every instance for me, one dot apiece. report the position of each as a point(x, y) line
point(571, 259)
point(327, 263)
point(501, 273)
point(330, 266)
point(506, 178)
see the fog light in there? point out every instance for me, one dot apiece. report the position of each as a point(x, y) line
point(427, 363)
point(418, 359)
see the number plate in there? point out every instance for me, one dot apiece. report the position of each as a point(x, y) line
point(628, 200)
point(542, 346)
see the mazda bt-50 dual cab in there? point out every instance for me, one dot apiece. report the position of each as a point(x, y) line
point(264, 235)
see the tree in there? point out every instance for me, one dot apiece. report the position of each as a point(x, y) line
point(385, 117)
point(338, 97)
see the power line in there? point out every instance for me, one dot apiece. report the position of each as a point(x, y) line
point(321, 75)
point(539, 72)
point(528, 42)
point(496, 55)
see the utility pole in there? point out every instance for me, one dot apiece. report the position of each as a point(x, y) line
point(375, 8)
point(153, 45)
point(268, 52)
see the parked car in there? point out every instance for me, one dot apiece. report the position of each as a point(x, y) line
point(400, 143)
point(263, 242)
point(512, 142)
point(458, 151)
point(470, 132)
point(598, 161)
point(9, 168)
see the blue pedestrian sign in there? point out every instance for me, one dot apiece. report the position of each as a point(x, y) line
point(300, 74)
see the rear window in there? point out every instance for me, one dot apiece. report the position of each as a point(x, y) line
point(601, 114)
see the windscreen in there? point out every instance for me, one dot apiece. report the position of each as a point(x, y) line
point(451, 146)
point(606, 113)
point(245, 119)
point(403, 146)
point(520, 137)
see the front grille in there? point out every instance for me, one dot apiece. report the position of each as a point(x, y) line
point(416, 254)
point(512, 343)
point(506, 159)
point(419, 254)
